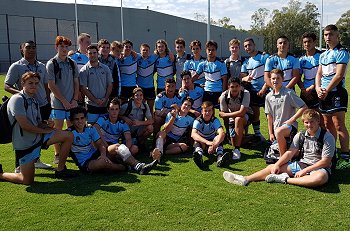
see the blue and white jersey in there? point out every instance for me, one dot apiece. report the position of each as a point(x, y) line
point(128, 70)
point(207, 130)
point(165, 70)
point(163, 102)
point(213, 72)
point(145, 71)
point(309, 66)
point(112, 132)
point(196, 94)
point(255, 66)
point(80, 59)
point(285, 64)
point(192, 65)
point(82, 146)
point(181, 124)
point(329, 60)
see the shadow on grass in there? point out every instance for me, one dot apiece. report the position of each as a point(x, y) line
point(338, 177)
point(84, 185)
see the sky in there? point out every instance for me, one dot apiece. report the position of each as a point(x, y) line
point(238, 11)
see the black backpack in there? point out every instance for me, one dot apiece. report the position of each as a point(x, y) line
point(227, 100)
point(57, 69)
point(5, 124)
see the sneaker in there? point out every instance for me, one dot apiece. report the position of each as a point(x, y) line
point(56, 160)
point(1, 171)
point(235, 178)
point(198, 159)
point(236, 154)
point(222, 159)
point(342, 164)
point(39, 164)
point(148, 167)
point(18, 169)
point(64, 174)
point(156, 154)
point(277, 178)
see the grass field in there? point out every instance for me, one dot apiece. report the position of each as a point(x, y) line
point(176, 196)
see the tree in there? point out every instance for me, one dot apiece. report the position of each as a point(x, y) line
point(259, 20)
point(343, 25)
point(225, 22)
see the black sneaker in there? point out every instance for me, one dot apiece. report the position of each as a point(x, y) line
point(222, 159)
point(148, 167)
point(198, 160)
point(1, 171)
point(64, 174)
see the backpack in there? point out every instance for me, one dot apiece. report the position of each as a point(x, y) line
point(129, 108)
point(57, 69)
point(227, 100)
point(5, 124)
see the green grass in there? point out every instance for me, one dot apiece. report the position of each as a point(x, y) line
point(176, 196)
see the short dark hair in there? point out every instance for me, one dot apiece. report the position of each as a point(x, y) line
point(114, 101)
point(90, 47)
point(126, 41)
point(103, 41)
point(283, 37)
point(234, 80)
point(180, 41)
point(277, 71)
point(309, 35)
point(249, 39)
point(76, 111)
point(211, 43)
point(196, 43)
point(170, 80)
point(28, 75)
point(183, 73)
point(187, 99)
point(331, 27)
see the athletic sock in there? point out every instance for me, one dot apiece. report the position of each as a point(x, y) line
point(238, 148)
point(219, 150)
point(138, 166)
point(256, 127)
point(199, 150)
point(160, 144)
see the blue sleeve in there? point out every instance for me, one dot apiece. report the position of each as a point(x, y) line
point(342, 57)
point(125, 127)
point(158, 105)
point(168, 117)
point(186, 65)
point(196, 125)
point(244, 68)
point(217, 124)
point(268, 66)
point(94, 134)
point(223, 69)
point(199, 70)
point(296, 64)
point(100, 121)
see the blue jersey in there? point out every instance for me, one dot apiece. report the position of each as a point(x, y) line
point(196, 94)
point(128, 69)
point(213, 72)
point(145, 71)
point(192, 65)
point(112, 132)
point(255, 67)
point(329, 60)
point(181, 124)
point(285, 64)
point(80, 59)
point(82, 146)
point(207, 130)
point(165, 70)
point(163, 102)
point(308, 67)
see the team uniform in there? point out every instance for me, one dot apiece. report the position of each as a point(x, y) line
point(96, 80)
point(27, 145)
point(128, 72)
point(191, 66)
point(213, 72)
point(285, 64)
point(113, 67)
point(282, 107)
point(308, 67)
point(234, 67)
point(112, 132)
point(80, 59)
point(255, 67)
point(145, 76)
point(337, 99)
point(65, 84)
point(179, 66)
point(230, 104)
point(14, 75)
point(196, 94)
point(164, 103)
point(312, 151)
point(178, 131)
point(165, 70)
point(83, 150)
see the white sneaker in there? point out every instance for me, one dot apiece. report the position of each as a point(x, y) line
point(39, 164)
point(56, 160)
point(236, 154)
point(235, 178)
point(277, 178)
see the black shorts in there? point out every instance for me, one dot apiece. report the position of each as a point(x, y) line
point(96, 110)
point(84, 167)
point(149, 93)
point(335, 101)
point(256, 100)
point(169, 140)
point(212, 97)
point(45, 111)
point(126, 92)
point(313, 102)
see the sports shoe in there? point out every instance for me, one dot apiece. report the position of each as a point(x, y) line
point(39, 164)
point(198, 159)
point(277, 178)
point(342, 164)
point(18, 169)
point(145, 169)
point(235, 178)
point(1, 171)
point(64, 174)
point(236, 154)
point(222, 159)
point(57, 159)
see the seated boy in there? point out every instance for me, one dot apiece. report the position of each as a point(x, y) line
point(315, 154)
point(177, 123)
point(90, 154)
point(234, 106)
point(280, 108)
point(208, 135)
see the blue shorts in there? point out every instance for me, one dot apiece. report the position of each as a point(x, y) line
point(297, 166)
point(248, 119)
point(60, 114)
point(92, 118)
point(26, 156)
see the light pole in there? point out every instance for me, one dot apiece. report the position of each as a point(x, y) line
point(121, 18)
point(76, 20)
point(208, 25)
point(321, 22)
